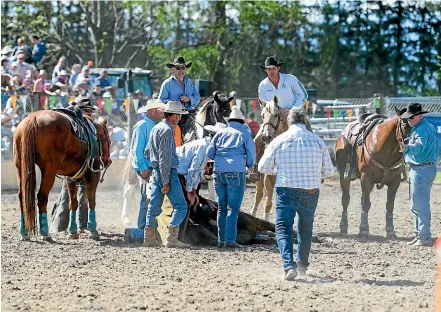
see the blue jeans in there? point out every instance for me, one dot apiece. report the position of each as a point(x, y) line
point(175, 195)
point(288, 203)
point(230, 189)
point(143, 203)
point(421, 180)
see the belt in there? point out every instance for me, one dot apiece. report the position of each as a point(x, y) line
point(429, 163)
point(309, 191)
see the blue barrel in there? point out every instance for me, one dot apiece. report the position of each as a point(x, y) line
point(435, 120)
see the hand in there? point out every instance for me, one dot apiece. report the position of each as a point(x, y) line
point(191, 196)
point(165, 189)
point(184, 98)
point(145, 175)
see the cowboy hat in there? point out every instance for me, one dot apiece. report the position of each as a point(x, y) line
point(6, 50)
point(151, 104)
point(413, 110)
point(271, 62)
point(175, 107)
point(235, 114)
point(84, 103)
point(179, 60)
point(107, 95)
point(217, 127)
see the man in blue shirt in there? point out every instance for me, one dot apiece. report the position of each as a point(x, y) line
point(39, 51)
point(140, 139)
point(179, 87)
point(421, 153)
point(232, 150)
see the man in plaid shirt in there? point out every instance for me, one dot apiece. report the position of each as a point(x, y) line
point(300, 160)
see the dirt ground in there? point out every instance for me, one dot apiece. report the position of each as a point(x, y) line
point(346, 274)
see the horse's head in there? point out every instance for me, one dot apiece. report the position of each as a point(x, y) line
point(105, 142)
point(222, 106)
point(403, 127)
point(271, 119)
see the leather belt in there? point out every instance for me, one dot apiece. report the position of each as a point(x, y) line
point(423, 164)
point(309, 191)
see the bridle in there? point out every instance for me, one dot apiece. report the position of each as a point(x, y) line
point(268, 123)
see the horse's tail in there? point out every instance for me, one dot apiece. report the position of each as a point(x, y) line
point(28, 175)
point(128, 174)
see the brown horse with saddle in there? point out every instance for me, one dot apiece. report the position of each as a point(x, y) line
point(60, 142)
point(370, 149)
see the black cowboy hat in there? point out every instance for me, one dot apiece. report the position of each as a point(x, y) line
point(85, 103)
point(413, 110)
point(271, 62)
point(179, 60)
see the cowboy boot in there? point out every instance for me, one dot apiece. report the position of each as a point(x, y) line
point(150, 237)
point(172, 238)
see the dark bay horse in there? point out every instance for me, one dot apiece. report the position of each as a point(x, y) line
point(46, 139)
point(379, 161)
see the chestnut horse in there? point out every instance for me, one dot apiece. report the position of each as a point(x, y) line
point(379, 161)
point(274, 122)
point(46, 139)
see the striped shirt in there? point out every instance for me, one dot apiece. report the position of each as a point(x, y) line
point(161, 150)
point(290, 92)
point(298, 157)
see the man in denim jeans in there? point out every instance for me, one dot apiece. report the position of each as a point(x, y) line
point(161, 151)
point(421, 152)
point(300, 160)
point(232, 150)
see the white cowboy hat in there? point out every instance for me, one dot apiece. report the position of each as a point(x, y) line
point(217, 127)
point(151, 104)
point(235, 114)
point(175, 107)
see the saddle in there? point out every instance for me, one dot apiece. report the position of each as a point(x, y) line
point(85, 131)
point(354, 134)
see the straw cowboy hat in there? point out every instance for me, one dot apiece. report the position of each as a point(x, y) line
point(271, 62)
point(179, 60)
point(413, 109)
point(217, 127)
point(235, 114)
point(175, 107)
point(151, 104)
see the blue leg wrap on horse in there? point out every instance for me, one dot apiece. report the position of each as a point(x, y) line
point(23, 231)
point(91, 223)
point(73, 221)
point(42, 219)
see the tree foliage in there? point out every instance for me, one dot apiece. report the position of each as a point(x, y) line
point(343, 49)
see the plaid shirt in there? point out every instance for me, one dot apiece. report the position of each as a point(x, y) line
point(298, 157)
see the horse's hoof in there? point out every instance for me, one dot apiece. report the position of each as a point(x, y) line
point(74, 236)
point(363, 236)
point(25, 239)
point(391, 236)
point(94, 235)
point(47, 238)
point(344, 232)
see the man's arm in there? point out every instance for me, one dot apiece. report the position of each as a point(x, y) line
point(327, 166)
point(250, 149)
point(211, 150)
point(140, 141)
point(164, 155)
point(263, 95)
point(163, 92)
point(299, 91)
point(267, 163)
point(193, 94)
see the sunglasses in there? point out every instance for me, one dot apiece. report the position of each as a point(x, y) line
point(180, 67)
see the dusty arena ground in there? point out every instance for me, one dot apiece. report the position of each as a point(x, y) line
point(107, 275)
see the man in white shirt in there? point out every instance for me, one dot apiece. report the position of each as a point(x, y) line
point(300, 160)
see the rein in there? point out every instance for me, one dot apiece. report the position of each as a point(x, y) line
point(376, 163)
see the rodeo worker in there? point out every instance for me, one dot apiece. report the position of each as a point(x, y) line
point(421, 153)
point(232, 150)
point(141, 132)
point(300, 160)
point(161, 151)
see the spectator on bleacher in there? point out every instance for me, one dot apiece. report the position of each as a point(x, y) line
point(103, 81)
point(83, 88)
point(5, 65)
point(20, 67)
point(75, 71)
point(40, 83)
point(38, 52)
point(83, 76)
point(61, 65)
point(22, 46)
point(63, 77)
